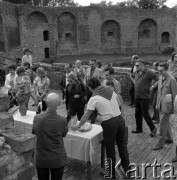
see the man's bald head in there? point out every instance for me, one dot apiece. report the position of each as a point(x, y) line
point(52, 101)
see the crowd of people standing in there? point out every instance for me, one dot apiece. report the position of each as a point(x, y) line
point(88, 93)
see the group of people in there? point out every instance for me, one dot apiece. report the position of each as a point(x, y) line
point(158, 87)
point(101, 91)
point(98, 89)
point(24, 81)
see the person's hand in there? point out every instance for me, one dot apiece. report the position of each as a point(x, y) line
point(151, 88)
point(38, 97)
point(75, 128)
point(76, 96)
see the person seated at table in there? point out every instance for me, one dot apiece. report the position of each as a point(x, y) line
point(41, 86)
point(50, 128)
point(104, 100)
point(75, 92)
point(9, 83)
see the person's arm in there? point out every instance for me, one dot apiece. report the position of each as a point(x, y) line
point(46, 88)
point(174, 92)
point(102, 75)
point(117, 87)
point(65, 131)
point(83, 91)
point(34, 122)
point(22, 62)
point(84, 118)
point(154, 85)
point(7, 82)
point(62, 84)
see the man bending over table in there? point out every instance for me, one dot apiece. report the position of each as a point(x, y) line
point(105, 102)
point(50, 128)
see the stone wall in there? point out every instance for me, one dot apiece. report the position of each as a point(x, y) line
point(16, 149)
point(51, 32)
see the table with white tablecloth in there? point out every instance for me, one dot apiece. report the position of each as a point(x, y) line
point(78, 145)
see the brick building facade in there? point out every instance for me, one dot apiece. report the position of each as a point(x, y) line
point(51, 32)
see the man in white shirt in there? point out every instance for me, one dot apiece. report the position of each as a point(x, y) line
point(109, 73)
point(27, 58)
point(104, 100)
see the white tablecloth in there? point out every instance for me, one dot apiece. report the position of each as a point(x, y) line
point(82, 145)
point(78, 145)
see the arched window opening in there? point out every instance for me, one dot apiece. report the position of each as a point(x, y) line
point(165, 37)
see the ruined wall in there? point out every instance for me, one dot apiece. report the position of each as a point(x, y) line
point(51, 32)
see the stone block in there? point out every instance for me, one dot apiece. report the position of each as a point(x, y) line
point(20, 129)
point(28, 125)
point(24, 173)
point(28, 130)
point(3, 172)
point(10, 161)
point(20, 142)
point(6, 120)
point(27, 173)
point(19, 123)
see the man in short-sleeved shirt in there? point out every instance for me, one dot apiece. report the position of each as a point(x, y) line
point(109, 73)
point(105, 102)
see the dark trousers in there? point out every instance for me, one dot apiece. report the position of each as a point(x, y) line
point(132, 94)
point(44, 173)
point(76, 109)
point(114, 131)
point(142, 111)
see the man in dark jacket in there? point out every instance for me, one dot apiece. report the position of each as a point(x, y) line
point(50, 128)
point(143, 80)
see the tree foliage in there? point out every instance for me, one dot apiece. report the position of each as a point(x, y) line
point(151, 4)
point(143, 4)
point(18, 1)
point(53, 3)
point(103, 3)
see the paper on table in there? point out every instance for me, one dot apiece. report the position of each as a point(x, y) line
point(168, 98)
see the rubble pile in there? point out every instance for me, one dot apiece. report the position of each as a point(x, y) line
point(16, 149)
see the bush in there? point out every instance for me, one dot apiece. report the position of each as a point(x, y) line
point(168, 50)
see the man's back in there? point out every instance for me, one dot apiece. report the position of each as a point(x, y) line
point(50, 129)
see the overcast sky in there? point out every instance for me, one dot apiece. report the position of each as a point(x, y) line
point(169, 3)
